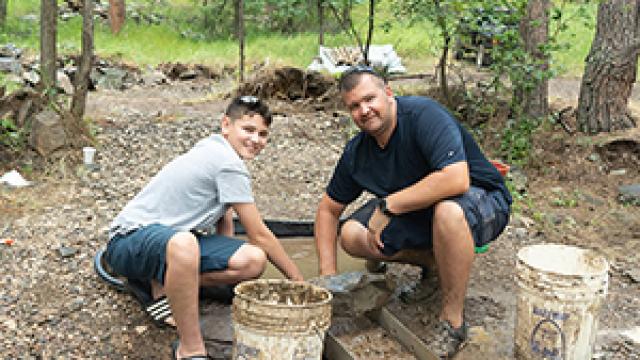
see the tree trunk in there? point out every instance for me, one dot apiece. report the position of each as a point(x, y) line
point(320, 22)
point(240, 18)
point(84, 69)
point(3, 13)
point(117, 15)
point(48, 55)
point(372, 13)
point(610, 71)
point(442, 64)
point(534, 30)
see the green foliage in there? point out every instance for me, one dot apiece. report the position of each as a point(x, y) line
point(515, 146)
point(10, 135)
point(562, 199)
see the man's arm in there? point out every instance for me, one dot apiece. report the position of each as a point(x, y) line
point(326, 233)
point(224, 226)
point(451, 181)
point(261, 236)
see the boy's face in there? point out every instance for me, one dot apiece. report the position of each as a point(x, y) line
point(370, 104)
point(247, 135)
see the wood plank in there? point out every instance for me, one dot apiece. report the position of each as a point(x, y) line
point(395, 327)
point(334, 349)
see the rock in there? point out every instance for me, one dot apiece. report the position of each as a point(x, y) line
point(629, 194)
point(66, 251)
point(633, 334)
point(10, 65)
point(154, 77)
point(64, 82)
point(188, 75)
point(634, 275)
point(11, 51)
point(109, 78)
point(356, 293)
point(520, 233)
point(595, 201)
point(23, 112)
point(31, 78)
point(518, 179)
point(47, 133)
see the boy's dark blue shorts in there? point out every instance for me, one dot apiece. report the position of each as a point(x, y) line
point(140, 254)
point(487, 214)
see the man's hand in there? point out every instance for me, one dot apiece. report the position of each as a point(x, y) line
point(325, 233)
point(377, 223)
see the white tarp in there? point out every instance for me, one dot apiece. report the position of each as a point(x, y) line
point(13, 178)
point(382, 56)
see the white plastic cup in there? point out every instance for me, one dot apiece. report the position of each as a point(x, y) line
point(88, 153)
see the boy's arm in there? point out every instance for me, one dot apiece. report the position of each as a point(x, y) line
point(261, 236)
point(326, 233)
point(224, 226)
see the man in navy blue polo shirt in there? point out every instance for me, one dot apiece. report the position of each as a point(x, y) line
point(436, 194)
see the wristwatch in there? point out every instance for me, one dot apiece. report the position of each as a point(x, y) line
point(382, 205)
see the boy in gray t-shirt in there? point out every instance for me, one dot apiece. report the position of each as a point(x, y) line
point(164, 241)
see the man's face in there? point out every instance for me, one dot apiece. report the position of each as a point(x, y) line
point(247, 135)
point(370, 105)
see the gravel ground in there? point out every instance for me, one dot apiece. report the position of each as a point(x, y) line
point(52, 305)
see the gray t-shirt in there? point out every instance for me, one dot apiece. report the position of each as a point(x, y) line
point(192, 192)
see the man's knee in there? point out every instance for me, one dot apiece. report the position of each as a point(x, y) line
point(448, 214)
point(350, 235)
point(183, 248)
point(250, 260)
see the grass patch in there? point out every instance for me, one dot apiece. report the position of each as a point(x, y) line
point(418, 45)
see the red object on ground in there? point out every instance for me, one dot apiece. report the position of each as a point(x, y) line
point(6, 241)
point(503, 168)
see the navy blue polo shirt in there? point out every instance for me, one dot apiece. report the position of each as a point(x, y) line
point(426, 139)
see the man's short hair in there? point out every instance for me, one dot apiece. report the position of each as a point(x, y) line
point(351, 77)
point(248, 105)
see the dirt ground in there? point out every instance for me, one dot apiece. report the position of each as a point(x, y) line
point(52, 305)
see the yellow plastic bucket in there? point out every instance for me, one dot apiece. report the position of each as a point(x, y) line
point(279, 319)
point(560, 291)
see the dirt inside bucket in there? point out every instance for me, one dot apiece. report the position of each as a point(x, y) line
point(279, 292)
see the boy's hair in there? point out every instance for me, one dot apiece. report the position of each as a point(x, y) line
point(351, 77)
point(248, 105)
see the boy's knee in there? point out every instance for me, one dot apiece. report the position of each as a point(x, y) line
point(183, 247)
point(252, 261)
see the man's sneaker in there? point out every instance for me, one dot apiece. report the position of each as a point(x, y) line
point(423, 290)
point(449, 341)
point(376, 266)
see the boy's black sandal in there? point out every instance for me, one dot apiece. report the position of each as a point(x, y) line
point(158, 309)
point(174, 353)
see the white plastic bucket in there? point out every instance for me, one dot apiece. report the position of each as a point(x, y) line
point(88, 154)
point(560, 291)
point(280, 319)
